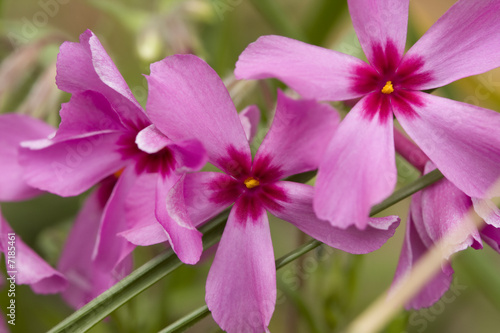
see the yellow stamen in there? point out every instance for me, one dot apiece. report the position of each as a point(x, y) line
point(251, 182)
point(388, 88)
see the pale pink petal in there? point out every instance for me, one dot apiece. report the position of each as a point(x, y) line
point(298, 210)
point(71, 167)
point(151, 140)
point(111, 249)
point(463, 42)
point(460, 139)
point(241, 284)
point(172, 214)
point(86, 281)
point(413, 249)
point(140, 208)
point(15, 128)
point(208, 194)
point(298, 137)
point(27, 266)
point(85, 114)
point(445, 210)
point(86, 66)
point(146, 235)
point(190, 155)
point(187, 100)
point(358, 170)
point(488, 211)
point(378, 24)
point(314, 72)
point(250, 119)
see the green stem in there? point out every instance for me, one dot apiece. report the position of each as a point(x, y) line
point(187, 321)
point(424, 181)
point(138, 281)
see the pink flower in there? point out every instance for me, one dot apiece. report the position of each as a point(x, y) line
point(435, 212)
point(29, 267)
point(87, 280)
point(358, 169)
point(104, 131)
point(82, 280)
point(188, 99)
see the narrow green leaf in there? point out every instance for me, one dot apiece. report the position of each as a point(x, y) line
point(424, 181)
point(187, 321)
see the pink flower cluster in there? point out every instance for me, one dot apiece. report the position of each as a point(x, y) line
point(143, 166)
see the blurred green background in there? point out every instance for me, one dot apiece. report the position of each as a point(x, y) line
point(320, 292)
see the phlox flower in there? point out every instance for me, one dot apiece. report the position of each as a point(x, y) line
point(102, 131)
point(436, 212)
point(86, 278)
point(82, 280)
point(358, 169)
point(188, 99)
point(29, 267)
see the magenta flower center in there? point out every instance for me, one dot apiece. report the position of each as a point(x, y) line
point(162, 162)
point(255, 183)
point(390, 81)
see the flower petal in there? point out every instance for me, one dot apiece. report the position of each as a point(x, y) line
point(444, 210)
point(15, 128)
point(30, 268)
point(172, 214)
point(85, 114)
point(241, 284)
point(460, 139)
point(312, 124)
point(250, 119)
point(488, 211)
point(312, 71)
point(491, 236)
point(151, 140)
point(71, 167)
point(463, 42)
point(188, 100)
point(140, 208)
point(86, 66)
point(111, 249)
point(298, 210)
point(358, 170)
point(86, 281)
point(190, 155)
point(379, 23)
point(208, 194)
point(413, 249)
